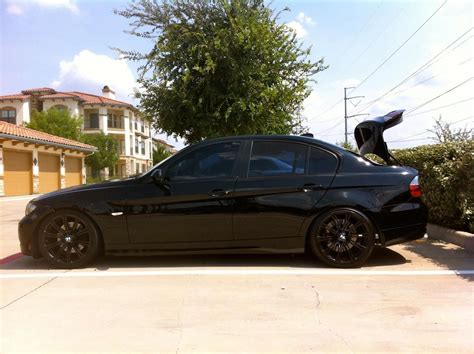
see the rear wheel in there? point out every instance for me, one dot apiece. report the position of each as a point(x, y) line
point(342, 238)
point(68, 239)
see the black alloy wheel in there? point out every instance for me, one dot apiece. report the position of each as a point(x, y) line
point(343, 238)
point(68, 239)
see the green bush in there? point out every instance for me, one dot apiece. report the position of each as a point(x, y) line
point(447, 181)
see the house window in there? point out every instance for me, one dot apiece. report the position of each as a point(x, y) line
point(136, 146)
point(137, 168)
point(92, 121)
point(143, 148)
point(61, 108)
point(8, 114)
point(114, 121)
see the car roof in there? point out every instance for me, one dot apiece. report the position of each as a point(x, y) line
point(295, 138)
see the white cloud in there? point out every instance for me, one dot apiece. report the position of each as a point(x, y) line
point(298, 29)
point(89, 72)
point(302, 18)
point(18, 7)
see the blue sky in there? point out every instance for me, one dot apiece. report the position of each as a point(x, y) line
point(65, 44)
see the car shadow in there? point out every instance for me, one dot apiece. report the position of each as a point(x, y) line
point(444, 254)
point(380, 257)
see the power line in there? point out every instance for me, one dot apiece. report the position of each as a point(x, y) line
point(435, 98)
point(400, 47)
point(441, 107)
point(423, 67)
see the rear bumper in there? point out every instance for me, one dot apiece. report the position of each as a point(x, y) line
point(404, 234)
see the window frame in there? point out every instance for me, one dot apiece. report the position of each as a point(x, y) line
point(8, 118)
point(235, 168)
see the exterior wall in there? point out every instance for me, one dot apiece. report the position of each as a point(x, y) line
point(71, 104)
point(36, 149)
point(22, 110)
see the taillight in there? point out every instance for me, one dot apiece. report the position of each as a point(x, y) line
point(415, 189)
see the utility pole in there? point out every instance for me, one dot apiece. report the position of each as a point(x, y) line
point(346, 134)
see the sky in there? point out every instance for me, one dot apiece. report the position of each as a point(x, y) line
point(413, 55)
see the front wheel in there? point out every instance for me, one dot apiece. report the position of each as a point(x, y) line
point(68, 239)
point(342, 238)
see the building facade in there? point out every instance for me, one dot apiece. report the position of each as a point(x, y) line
point(101, 113)
point(33, 162)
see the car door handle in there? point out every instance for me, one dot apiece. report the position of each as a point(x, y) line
point(218, 193)
point(311, 187)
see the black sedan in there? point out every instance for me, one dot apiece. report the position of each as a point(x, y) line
point(239, 194)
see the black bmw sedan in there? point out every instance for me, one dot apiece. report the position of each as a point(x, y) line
point(239, 194)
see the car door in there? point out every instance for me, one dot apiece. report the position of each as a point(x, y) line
point(284, 181)
point(195, 201)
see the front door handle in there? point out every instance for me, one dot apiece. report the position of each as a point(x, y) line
point(218, 193)
point(311, 187)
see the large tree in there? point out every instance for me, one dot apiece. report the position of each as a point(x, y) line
point(106, 154)
point(220, 67)
point(56, 122)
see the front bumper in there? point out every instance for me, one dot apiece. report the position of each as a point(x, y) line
point(28, 228)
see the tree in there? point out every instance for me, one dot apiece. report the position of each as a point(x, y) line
point(106, 154)
point(221, 67)
point(160, 153)
point(348, 146)
point(444, 133)
point(56, 122)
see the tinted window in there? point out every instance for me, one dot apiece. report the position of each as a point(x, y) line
point(277, 158)
point(207, 162)
point(321, 162)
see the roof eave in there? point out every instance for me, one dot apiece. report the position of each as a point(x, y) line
point(43, 142)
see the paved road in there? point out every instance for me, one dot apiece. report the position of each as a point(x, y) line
point(415, 297)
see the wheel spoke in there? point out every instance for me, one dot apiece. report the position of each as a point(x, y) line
point(82, 232)
point(50, 235)
point(74, 225)
point(54, 244)
point(80, 254)
point(65, 223)
point(68, 254)
point(324, 238)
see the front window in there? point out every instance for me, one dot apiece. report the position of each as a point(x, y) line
point(275, 158)
point(8, 114)
point(92, 121)
point(213, 161)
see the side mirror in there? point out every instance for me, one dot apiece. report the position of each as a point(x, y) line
point(157, 176)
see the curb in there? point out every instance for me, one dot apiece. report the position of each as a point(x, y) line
point(460, 238)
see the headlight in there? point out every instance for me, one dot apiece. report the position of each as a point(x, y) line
point(30, 207)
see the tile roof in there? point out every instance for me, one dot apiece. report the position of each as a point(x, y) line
point(13, 131)
point(14, 97)
point(61, 95)
point(95, 99)
point(39, 89)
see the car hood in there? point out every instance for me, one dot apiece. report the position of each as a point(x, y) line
point(86, 187)
point(369, 135)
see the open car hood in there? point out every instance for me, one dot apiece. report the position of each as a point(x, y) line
point(369, 135)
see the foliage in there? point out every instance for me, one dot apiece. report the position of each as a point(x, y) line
point(56, 122)
point(445, 133)
point(106, 154)
point(348, 146)
point(160, 153)
point(222, 67)
point(447, 181)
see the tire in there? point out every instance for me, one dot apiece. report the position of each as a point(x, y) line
point(68, 239)
point(342, 238)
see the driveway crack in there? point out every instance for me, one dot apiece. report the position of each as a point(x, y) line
point(30, 292)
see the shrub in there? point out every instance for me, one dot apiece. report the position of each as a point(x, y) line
point(447, 180)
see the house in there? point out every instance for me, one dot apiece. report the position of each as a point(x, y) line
point(101, 113)
point(34, 162)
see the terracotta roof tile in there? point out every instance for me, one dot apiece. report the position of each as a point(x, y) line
point(12, 130)
point(14, 97)
point(39, 89)
point(61, 95)
point(95, 99)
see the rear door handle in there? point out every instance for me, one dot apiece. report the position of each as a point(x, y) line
point(311, 187)
point(218, 193)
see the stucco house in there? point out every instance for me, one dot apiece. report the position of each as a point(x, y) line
point(100, 112)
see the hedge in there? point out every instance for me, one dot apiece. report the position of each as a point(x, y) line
point(447, 181)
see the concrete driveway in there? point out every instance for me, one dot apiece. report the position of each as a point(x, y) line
point(413, 297)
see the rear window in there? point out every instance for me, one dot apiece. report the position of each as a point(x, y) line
point(276, 158)
point(321, 162)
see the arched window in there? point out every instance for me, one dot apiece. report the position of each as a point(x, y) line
point(8, 114)
point(60, 107)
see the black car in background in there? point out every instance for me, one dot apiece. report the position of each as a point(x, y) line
point(239, 194)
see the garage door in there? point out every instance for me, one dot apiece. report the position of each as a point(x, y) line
point(73, 171)
point(49, 172)
point(17, 177)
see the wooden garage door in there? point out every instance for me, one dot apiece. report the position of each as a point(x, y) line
point(73, 171)
point(17, 178)
point(49, 172)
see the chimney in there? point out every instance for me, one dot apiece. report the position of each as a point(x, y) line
point(108, 92)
